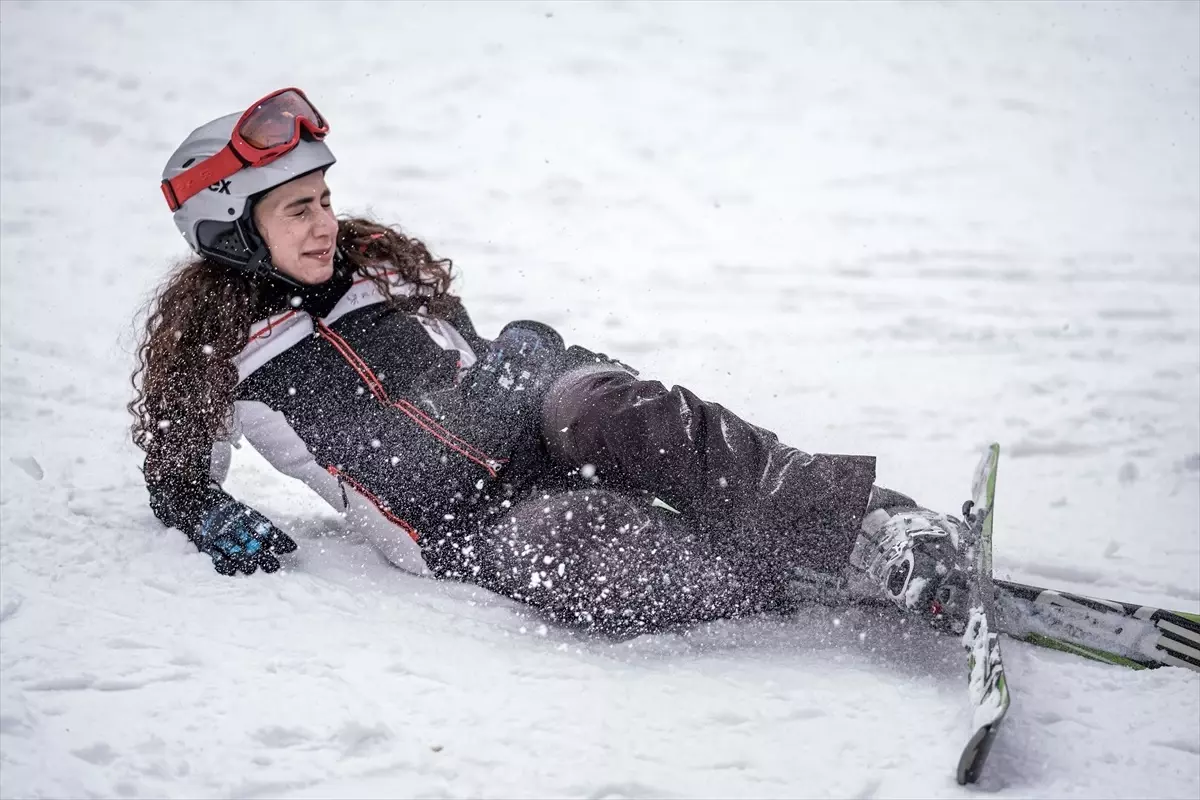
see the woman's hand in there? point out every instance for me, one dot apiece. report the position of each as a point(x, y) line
point(238, 538)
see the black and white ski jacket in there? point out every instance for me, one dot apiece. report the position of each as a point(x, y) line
point(327, 393)
point(423, 433)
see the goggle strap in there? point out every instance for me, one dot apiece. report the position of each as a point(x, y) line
point(169, 193)
point(209, 172)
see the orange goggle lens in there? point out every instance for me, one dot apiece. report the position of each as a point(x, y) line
point(276, 121)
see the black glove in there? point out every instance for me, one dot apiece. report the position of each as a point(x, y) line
point(522, 361)
point(496, 404)
point(239, 538)
point(497, 401)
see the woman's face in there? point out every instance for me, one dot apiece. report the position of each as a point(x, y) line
point(297, 222)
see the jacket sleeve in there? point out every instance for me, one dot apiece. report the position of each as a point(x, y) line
point(178, 473)
point(461, 320)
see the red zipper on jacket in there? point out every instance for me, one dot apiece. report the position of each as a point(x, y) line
point(423, 420)
point(383, 509)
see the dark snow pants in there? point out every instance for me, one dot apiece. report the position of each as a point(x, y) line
point(745, 511)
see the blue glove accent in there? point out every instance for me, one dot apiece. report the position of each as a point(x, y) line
point(238, 538)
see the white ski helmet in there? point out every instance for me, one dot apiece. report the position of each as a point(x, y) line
point(217, 221)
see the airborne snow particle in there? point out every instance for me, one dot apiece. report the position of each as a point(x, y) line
point(588, 471)
point(395, 460)
point(296, 300)
point(292, 390)
point(375, 443)
point(163, 424)
point(207, 349)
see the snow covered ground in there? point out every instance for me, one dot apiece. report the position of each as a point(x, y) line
point(900, 229)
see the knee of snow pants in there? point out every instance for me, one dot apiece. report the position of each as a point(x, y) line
point(767, 505)
point(611, 564)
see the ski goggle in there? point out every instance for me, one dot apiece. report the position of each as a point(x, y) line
point(269, 129)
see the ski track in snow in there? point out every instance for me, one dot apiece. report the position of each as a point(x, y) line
point(904, 230)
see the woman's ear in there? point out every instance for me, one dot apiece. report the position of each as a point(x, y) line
point(256, 218)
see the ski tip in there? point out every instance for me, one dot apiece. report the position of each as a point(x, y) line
point(970, 765)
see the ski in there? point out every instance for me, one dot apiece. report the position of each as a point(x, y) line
point(986, 682)
point(1109, 631)
point(1113, 632)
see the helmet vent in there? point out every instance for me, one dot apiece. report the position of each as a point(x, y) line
point(188, 163)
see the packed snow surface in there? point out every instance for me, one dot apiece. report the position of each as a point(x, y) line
point(897, 229)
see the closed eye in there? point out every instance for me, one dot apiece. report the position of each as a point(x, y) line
point(301, 205)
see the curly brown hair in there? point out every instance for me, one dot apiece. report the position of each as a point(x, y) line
point(201, 316)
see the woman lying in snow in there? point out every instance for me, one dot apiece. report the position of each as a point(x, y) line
point(552, 475)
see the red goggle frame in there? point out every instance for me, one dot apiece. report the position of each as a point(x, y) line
point(267, 130)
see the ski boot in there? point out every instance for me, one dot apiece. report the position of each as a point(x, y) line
point(912, 555)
